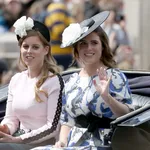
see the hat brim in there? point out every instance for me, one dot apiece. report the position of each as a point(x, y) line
point(97, 21)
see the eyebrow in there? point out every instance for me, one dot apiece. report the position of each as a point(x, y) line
point(82, 41)
point(32, 44)
point(86, 40)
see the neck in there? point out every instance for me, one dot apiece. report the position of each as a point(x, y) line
point(34, 72)
point(91, 70)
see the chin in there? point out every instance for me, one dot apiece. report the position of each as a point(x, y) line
point(89, 62)
point(29, 64)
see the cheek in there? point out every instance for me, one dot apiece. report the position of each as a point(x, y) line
point(81, 53)
point(100, 53)
point(100, 49)
point(22, 52)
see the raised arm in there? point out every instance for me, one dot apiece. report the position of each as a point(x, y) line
point(114, 90)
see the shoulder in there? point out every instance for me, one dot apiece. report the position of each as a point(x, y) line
point(118, 78)
point(17, 78)
point(116, 74)
point(53, 78)
point(18, 75)
point(71, 81)
point(72, 78)
point(53, 82)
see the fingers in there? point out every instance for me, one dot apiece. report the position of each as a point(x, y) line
point(98, 88)
point(108, 82)
point(1, 126)
point(102, 73)
point(102, 86)
point(59, 144)
point(4, 128)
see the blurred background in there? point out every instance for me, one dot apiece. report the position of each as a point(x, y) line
point(127, 28)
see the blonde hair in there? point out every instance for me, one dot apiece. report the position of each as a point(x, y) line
point(48, 65)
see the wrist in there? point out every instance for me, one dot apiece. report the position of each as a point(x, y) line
point(107, 98)
point(17, 140)
point(62, 144)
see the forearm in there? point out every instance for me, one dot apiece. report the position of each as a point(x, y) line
point(6, 138)
point(64, 132)
point(116, 107)
point(17, 140)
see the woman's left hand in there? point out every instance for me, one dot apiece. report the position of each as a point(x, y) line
point(6, 138)
point(103, 86)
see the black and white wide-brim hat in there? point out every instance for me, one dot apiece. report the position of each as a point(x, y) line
point(75, 31)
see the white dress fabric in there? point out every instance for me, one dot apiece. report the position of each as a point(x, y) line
point(80, 98)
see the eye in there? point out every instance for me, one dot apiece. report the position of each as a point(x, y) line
point(35, 47)
point(94, 42)
point(82, 43)
point(25, 47)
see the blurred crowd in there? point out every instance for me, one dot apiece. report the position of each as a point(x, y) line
point(57, 15)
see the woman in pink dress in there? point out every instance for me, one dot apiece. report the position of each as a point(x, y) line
point(34, 95)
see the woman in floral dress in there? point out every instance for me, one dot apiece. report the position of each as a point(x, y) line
point(96, 95)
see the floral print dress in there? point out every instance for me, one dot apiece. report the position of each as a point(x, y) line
point(80, 98)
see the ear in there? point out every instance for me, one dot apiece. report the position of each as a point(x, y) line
point(47, 49)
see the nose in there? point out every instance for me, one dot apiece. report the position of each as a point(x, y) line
point(89, 46)
point(29, 50)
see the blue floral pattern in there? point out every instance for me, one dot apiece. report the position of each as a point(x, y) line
point(81, 97)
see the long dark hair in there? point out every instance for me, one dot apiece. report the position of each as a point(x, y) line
point(107, 55)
